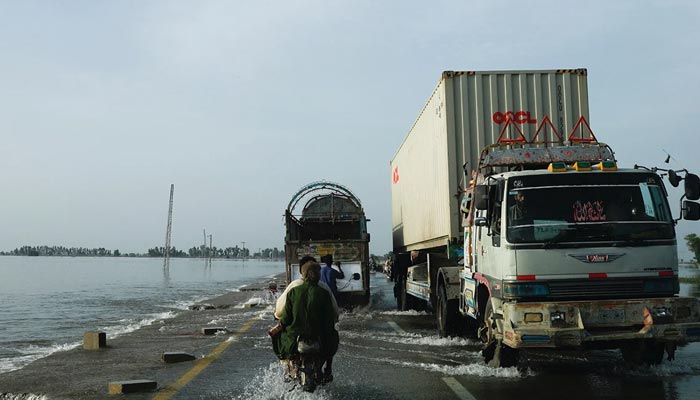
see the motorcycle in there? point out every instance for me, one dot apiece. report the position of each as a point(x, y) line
point(308, 365)
point(305, 368)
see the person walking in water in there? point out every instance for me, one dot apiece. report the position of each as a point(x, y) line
point(329, 275)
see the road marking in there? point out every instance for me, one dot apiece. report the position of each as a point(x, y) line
point(199, 366)
point(457, 387)
point(396, 327)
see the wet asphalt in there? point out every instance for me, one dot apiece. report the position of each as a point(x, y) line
point(383, 355)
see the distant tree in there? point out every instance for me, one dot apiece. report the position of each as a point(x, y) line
point(117, 253)
point(156, 252)
point(693, 242)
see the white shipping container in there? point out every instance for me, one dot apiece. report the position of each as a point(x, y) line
point(466, 112)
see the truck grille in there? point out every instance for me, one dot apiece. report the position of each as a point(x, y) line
point(597, 289)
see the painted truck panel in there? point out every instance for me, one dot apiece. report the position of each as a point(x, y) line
point(327, 219)
point(466, 112)
point(353, 256)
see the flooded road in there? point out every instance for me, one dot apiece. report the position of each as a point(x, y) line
point(383, 355)
point(386, 354)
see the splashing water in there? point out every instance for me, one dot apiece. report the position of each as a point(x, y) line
point(269, 384)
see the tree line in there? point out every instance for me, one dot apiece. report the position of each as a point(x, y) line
point(61, 251)
point(216, 252)
point(693, 242)
point(194, 252)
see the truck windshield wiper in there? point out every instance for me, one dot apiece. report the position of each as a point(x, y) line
point(553, 242)
point(629, 242)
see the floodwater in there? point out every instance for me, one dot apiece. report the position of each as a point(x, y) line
point(386, 354)
point(49, 302)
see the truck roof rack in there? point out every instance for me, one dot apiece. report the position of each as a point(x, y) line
point(320, 189)
point(519, 152)
point(499, 155)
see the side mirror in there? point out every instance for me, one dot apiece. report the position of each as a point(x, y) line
point(673, 178)
point(691, 211)
point(481, 197)
point(692, 187)
point(356, 276)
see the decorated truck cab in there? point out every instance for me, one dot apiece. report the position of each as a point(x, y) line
point(514, 224)
point(570, 251)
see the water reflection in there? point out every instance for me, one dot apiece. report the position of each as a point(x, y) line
point(689, 289)
point(166, 276)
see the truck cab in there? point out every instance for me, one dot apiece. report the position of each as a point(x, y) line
point(578, 235)
point(578, 255)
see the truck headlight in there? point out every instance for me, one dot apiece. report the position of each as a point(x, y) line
point(557, 318)
point(661, 315)
point(531, 317)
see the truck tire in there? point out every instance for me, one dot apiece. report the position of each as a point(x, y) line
point(643, 352)
point(446, 313)
point(407, 301)
point(398, 289)
point(495, 353)
point(403, 299)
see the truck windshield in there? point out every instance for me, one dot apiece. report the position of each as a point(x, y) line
point(587, 207)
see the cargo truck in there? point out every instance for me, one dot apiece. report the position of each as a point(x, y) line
point(514, 224)
point(331, 221)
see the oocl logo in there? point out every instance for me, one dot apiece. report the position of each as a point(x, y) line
point(519, 117)
point(395, 175)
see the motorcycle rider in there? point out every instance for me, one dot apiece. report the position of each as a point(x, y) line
point(308, 312)
point(281, 301)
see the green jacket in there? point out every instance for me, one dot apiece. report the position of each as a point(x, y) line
point(308, 312)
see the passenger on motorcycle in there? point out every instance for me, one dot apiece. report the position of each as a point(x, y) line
point(308, 315)
point(282, 300)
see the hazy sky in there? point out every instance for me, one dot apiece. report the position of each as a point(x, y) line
point(104, 104)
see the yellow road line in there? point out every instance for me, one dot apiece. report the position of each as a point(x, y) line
point(199, 366)
point(396, 327)
point(458, 389)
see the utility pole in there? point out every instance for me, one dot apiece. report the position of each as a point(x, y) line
point(204, 246)
point(210, 248)
point(166, 255)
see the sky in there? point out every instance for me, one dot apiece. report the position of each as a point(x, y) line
point(240, 103)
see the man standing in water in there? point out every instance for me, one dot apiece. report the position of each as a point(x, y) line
point(329, 275)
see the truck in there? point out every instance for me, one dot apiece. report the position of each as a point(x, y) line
point(326, 219)
point(515, 225)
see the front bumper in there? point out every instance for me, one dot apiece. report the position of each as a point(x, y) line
point(598, 323)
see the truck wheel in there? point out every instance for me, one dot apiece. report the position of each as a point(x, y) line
point(403, 299)
point(495, 353)
point(398, 294)
point(407, 301)
point(643, 352)
point(446, 313)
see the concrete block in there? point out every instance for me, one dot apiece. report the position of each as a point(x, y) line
point(201, 307)
point(176, 357)
point(94, 340)
point(212, 330)
point(135, 386)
